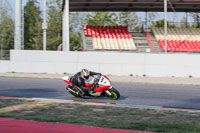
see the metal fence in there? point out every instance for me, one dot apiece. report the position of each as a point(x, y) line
point(4, 54)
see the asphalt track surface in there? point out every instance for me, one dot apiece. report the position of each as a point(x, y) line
point(180, 96)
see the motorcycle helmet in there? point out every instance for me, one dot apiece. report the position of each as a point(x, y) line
point(85, 73)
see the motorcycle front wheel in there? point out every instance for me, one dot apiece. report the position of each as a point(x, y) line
point(114, 94)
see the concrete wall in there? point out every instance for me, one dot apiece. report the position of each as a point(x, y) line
point(155, 65)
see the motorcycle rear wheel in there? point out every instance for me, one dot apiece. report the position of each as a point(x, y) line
point(115, 94)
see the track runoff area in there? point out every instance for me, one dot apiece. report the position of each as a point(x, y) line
point(96, 102)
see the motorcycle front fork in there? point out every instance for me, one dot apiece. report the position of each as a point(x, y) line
point(108, 92)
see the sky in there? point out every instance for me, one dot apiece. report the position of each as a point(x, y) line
point(172, 17)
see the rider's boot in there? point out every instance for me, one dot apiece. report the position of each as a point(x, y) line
point(80, 92)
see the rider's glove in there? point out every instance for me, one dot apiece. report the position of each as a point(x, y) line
point(98, 77)
point(96, 80)
point(91, 88)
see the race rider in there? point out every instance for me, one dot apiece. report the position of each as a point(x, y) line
point(78, 80)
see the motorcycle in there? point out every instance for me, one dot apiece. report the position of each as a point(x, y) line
point(103, 88)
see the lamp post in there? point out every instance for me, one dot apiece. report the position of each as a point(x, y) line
point(44, 27)
point(165, 25)
point(18, 24)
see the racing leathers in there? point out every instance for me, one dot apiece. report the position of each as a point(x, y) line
point(78, 81)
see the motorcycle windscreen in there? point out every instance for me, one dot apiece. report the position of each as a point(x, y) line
point(89, 82)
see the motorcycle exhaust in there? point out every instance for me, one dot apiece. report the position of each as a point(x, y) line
point(69, 89)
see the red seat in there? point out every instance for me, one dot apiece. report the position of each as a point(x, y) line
point(125, 36)
point(109, 36)
point(93, 36)
point(97, 36)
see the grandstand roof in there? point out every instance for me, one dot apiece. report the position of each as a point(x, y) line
point(133, 5)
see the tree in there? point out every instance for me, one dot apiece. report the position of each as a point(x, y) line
point(6, 30)
point(151, 16)
point(75, 30)
point(75, 41)
point(130, 19)
point(196, 18)
point(183, 22)
point(123, 18)
point(101, 18)
point(32, 26)
point(75, 22)
point(161, 23)
point(54, 38)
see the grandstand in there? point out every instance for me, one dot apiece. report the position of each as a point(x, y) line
point(110, 37)
point(118, 38)
point(179, 39)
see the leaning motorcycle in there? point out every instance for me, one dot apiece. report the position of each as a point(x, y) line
point(103, 89)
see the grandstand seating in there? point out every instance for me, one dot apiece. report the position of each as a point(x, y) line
point(179, 39)
point(178, 45)
point(110, 37)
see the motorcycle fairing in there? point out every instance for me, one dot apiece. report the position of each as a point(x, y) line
point(95, 94)
point(101, 88)
point(67, 80)
point(104, 81)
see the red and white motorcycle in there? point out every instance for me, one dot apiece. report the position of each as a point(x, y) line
point(104, 88)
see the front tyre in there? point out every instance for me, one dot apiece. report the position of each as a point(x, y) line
point(114, 94)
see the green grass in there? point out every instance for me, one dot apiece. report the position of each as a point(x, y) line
point(165, 121)
point(5, 102)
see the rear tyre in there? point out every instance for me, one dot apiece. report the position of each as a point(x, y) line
point(114, 94)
